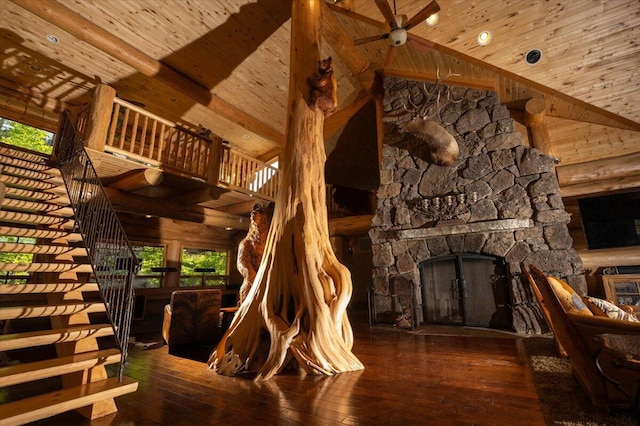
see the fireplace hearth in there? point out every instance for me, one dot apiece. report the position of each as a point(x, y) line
point(515, 216)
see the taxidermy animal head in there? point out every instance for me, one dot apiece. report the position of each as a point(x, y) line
point(440, 146)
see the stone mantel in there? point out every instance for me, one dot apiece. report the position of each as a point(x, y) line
point(467, 228)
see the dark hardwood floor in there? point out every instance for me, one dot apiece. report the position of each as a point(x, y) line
point(409, 379)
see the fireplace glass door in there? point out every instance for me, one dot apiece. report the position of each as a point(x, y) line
point(465, 290)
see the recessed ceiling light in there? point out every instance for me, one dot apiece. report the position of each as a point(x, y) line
point(34, 68)
point(245, 136)
point(52, 39)
point(484, 38)
point(432, 20)
point(173, 100)
point(533, 56)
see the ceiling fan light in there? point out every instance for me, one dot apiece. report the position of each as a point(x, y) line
point(398, 37)
point(484, 38)
point(432, 20)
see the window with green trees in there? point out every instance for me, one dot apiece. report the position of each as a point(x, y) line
point(15, 257)
point(203, 267)
point(150, 257)
point(24, 136)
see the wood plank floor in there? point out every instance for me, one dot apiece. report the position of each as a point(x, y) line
point(408, 379)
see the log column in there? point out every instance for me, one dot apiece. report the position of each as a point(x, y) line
point(534, 118)
point(99, 117)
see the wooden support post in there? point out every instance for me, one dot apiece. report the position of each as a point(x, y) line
point(215, 155)
point(534, 118)
point(173, 259)
point(99, 117)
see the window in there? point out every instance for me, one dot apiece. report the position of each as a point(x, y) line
point(24, 136)
point(150, 257)
point(203, 267)
point(25, 258)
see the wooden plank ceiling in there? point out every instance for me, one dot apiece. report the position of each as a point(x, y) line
point(238, 51)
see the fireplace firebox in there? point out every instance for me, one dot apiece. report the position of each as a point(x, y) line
point(466, 289)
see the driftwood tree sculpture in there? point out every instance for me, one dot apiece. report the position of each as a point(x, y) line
point(296, 309)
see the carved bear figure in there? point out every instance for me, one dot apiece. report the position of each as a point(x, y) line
point(251, 248)
point(323, 88)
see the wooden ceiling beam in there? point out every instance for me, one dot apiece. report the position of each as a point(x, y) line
point(451, 80)
point(137, 179)
point(73, 23)
point(137, 204)
point(341, 117)
point(335, 35)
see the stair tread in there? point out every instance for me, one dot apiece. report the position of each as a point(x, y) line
point(36, 311)
point(46, 267)
point(57, 335)
point(37, 206)
point(50, 404)
point(39, 158)
point(36, 175)
point(42, 249)
point(13, 160)
point(8, 216)
point(21, 182)
point(37, 195)
point(47, 288)
point(30, 371)
point(40, 233)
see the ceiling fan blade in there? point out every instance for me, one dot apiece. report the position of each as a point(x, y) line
point(385, 9)
point(428, 10)
point(391, 53)
point(420, 43)
point(370, 39)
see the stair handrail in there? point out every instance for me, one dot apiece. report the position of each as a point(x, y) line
point(114, 262)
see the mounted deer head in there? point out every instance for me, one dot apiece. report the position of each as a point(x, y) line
point(441, 145)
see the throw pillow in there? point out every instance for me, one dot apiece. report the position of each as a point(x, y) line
point(611, 310)
point(570, 300)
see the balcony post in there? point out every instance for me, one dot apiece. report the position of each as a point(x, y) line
point(215, 155)
point(99, 117)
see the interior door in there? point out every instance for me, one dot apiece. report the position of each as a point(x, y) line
point(441, 296)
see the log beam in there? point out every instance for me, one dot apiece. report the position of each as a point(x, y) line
point(599, 176)
point(534, 119)
point(594, 259)
point(350, 225)
point(341, 117)
point(335, 35)
point(137, 204)
point(66, 19)
point(138, 179)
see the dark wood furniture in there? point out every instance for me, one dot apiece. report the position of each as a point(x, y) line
point(192, 317)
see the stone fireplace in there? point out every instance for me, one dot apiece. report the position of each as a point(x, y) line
point(506, 206)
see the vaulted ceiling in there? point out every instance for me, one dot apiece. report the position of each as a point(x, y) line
point(224, 64)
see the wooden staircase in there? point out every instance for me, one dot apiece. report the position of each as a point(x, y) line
point(57, 350)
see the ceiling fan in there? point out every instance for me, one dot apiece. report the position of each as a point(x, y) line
point(399, 25)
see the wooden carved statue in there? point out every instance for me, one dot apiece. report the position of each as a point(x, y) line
point(251, 248)
point(323, 88)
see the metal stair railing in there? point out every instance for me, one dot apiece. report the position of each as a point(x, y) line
point(114, 262)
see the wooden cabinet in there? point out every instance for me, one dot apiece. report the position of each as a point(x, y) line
point(623, 289)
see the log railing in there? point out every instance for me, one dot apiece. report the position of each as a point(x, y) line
point(131, 132)
point(241, 172)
